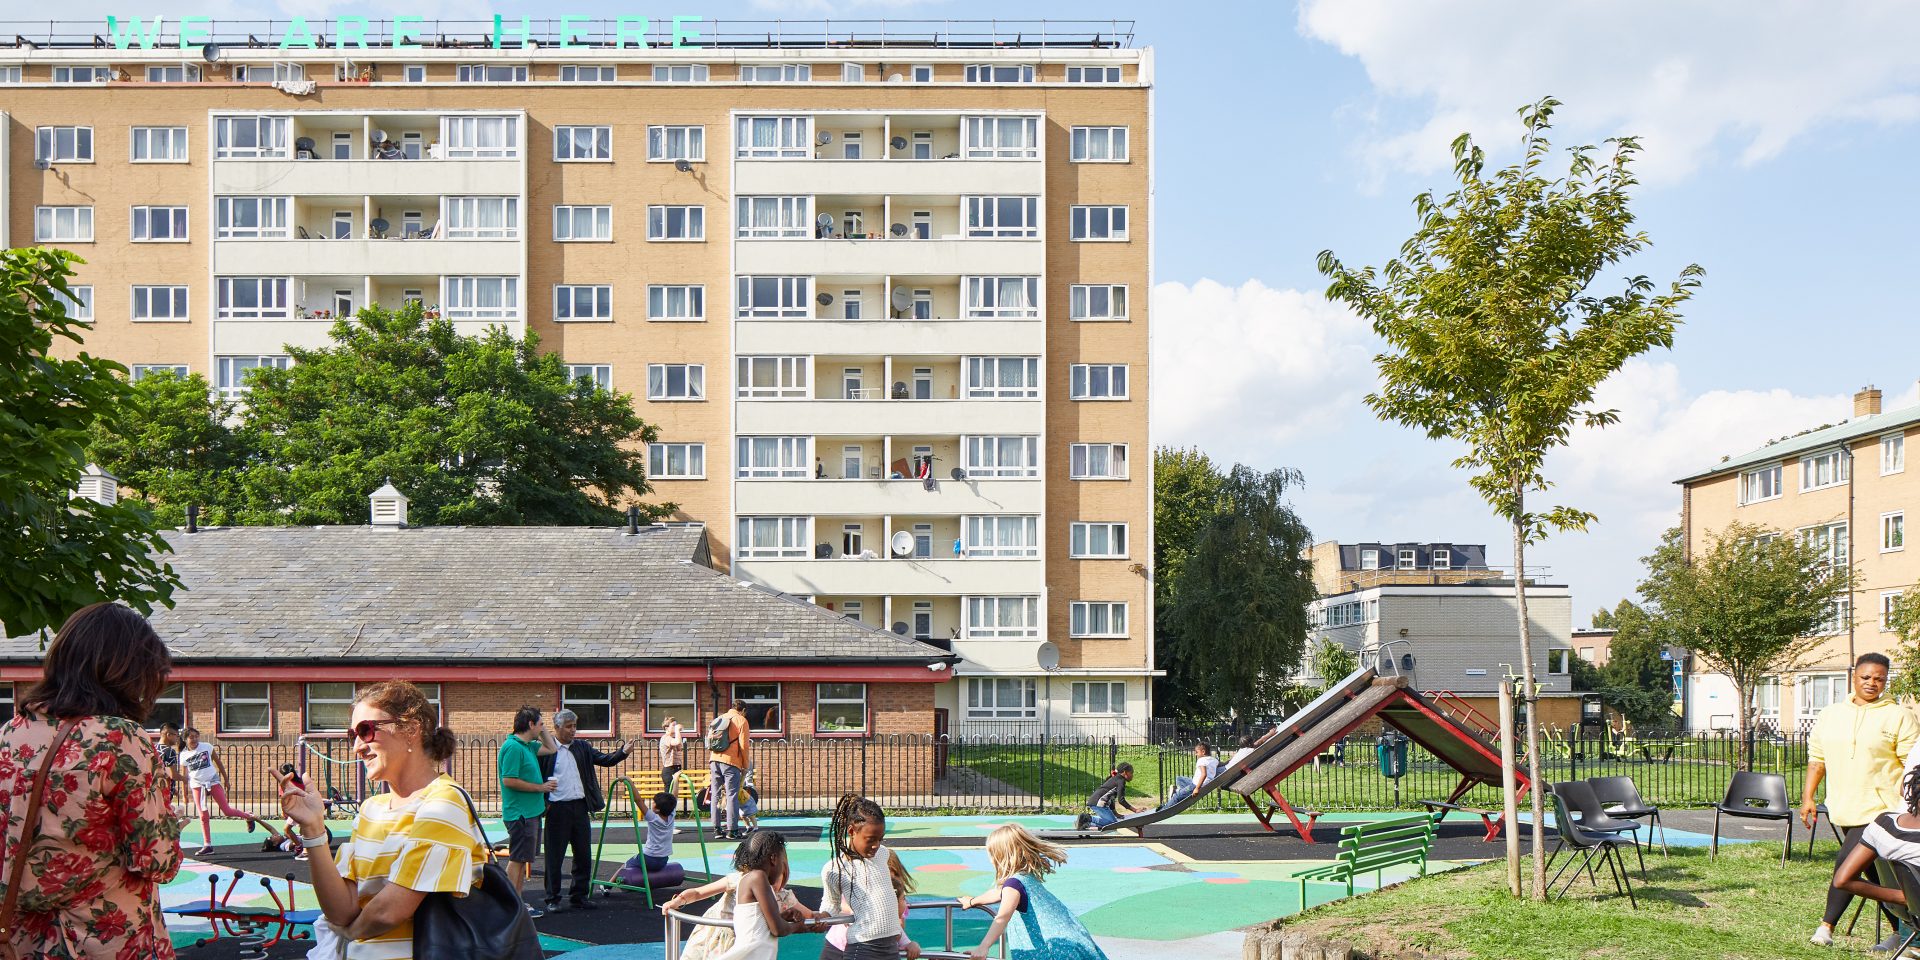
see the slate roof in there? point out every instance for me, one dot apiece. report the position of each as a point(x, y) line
point(486, 595)
point(1855, 429)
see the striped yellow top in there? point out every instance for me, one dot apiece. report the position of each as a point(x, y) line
point(429, 843)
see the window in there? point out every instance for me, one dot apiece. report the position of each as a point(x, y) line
point(143, 370)
point(237, 138)
point(1408, 559)
point(773, 217)
point(246, 708)
point(922, 625)
point(1766, 698)
point(680, 73)
point(774, 457)
point(1098, 540)
point(160, 224)
point(665, 143)
point(1889, 599)
point(480, 298)
point(774, 296)
point(582, 143)
point(671, 701)
point(923, 73)
point(1098, 223)
point(676, 302)
point(1001, 138)
point(582, 223)
point(251, 218)
point(772, 376)
point(169, 707)
point(1893, 454)
point(491, 73)
point(63, 224)
point(762, 706)
point(854, 222)
point(1003, 377)
point(775, 73)
point(1003, 216)
point(414, 73)
point(1823, 470)
point(598, 374)
point(593, 702)
point(1893, 531)
point(588, 73)
point(676, 381)
point(851, 610)
point(159, 145)
point(432, 693)
point(1839, 618)
point(583, 302)
point(1001, 457)
point(769, 138)
point(1099, 698)
point(923, 305)
point(173, 73)
point(1101, 301)
point(1097, 461)
point(1099, 144)
point(10, 74)
point(1003, 297)
point(1003, 617)
point(231, 372)
point(993, 698)
point(1830, 539)
point(1559, 661)
point(1761, 484)
point(343, 224)
point(840, 708)
point(160, 303)
point(1093, 74)
point(677, 461)
point(78, 302)
point(1002, 536)
point(1369, 559)
point(480, 138)
point(676, 223)
point(252, 298)
point(81, 74)
point(269, 72)
point(1098, 381)
point(1442, 558)
point(853, 73)
point(850, 310)
point(1818, 691)
point(482, 218)
point(923, 146)
point(1097, 619)
point(329, 708)
point(761, 537)
point(999, 73)
point(63, 144)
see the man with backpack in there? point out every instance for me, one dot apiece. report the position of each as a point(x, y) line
point(730, 752)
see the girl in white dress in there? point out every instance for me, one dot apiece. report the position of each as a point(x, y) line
point(758, 916)
point(708, 943)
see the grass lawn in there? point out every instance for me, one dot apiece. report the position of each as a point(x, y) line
point(1744, 905)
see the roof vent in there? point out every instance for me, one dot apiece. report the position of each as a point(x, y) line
point(389, 507)
point(98, 485)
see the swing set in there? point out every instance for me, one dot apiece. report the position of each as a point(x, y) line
point(640, 789)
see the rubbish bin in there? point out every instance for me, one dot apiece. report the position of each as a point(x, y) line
point(1393, 756)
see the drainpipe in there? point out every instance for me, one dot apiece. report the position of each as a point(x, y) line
point(713, 689)
point(1853, 546)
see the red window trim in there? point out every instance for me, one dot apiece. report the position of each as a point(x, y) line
point(866, 697)
point(319, 734)
point(752, 734)
point(613, 708)
point(646, 711)
point(220, 714)
point(186, 704)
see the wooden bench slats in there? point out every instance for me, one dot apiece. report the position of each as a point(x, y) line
point(1372, 847)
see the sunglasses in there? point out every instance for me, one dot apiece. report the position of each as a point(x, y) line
point(365, 729)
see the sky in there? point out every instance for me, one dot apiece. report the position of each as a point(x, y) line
point(1778, 138)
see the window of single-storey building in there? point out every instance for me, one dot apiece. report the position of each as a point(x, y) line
point(840, 708)
point(674, 700)
point(246, 708)
point(6, 702)
point(329, 707)
point(593, 702)
point(432, 690)
point(169, 707)
point(763, 706)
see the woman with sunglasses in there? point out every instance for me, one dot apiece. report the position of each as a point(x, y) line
point(417, 838)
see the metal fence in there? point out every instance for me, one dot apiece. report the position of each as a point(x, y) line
point(1055, 774)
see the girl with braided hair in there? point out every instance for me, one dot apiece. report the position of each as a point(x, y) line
point(1891, 836)
point(858, 879)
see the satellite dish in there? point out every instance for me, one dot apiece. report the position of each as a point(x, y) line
point(210, 52)
point(957, 473)
point(379, 226)
point(900, 298)
point(825, 221)
point(379, 136)
point(682, 165)
point(902, 543)
point(898, 230)
point(303, 143)
point(900, 627)
point(823, 138)
point(823, 298)
point(899, 143)
point(1047, 656)
point(896, 78)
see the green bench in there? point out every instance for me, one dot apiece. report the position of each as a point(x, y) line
point(1373, 847)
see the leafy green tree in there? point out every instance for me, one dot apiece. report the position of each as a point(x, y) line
point(1635, 680)
point(1495, 341)
point(1905, 621)
point(1186, 494)
point(482, 430)
point(62, 551)
point(1751, 604)
point(1240, 600)
point(170, 444)
point(1333, 662)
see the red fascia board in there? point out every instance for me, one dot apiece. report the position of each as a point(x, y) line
point(537, 673)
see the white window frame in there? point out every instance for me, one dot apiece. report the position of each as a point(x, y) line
point(692, 222)
point(569, 148)
point(140, 230)
point(1804, 685)
point(792, 458)
point(47, 226)
point(173, 694)
point(272, 137)
point(793, 538)
point(413, 73)
point(598, 374)
point(658, 698)
point(1893, 531)
point(228, 699)
point(491, 73)
point(1081, 536)
point(173, 139)
point(1005, 536)
point(568, 298)
point(660, 382)
point(1086, 301)
point(984, 699)
point(157, 72)
point(462, 216)
point(272, 218)
point(1833, 538)
point(230, 378)
point(984, 457)
point(1000, 138)
point(1093, 73)
point(308, 700)
point(141, 371)
point(1369, 559)
point(1751, 481)
point(1000, 298)
point(574, 696)
point(583, 223)
point(792, 218)
point(272, 298)
point(78, 148)
point(820, 701)
point(1832, 462)
point(853, 73)
point(1082, 377)
point(1102, 619)
point(1888, 598)
point(662, 457)
point(81, 73)
point(1406, 559)
point(1080, 703)
point(680, 73)
point(589, 73)
point(779, 73)
point(1559, 661)
point(921, 73)
point(793, 297)
point(792, 376)
point(1099, 145)
point(79, 306)
point(792, 137)
point(1025, 607)
point(466, 137)
point(692, 296)
point(692, 145)
point(10, 74)
point(1080, 461)
point(983, 378)
point(1893, 454)
point(145, 297)
point(1084, 219)
point(984, 214)
point(1442, 558)
point(999, 73)
point(460, 300)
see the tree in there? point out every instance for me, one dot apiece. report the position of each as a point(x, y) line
point(481, 430)
point(63, 551)
point(1751, 604)
point(1186, 494)
point(1240, 600)
point(170, 444)
point(1904, 619)
point(1494, 341)
point(1635, 680)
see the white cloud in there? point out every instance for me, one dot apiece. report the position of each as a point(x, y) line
point(1694, 79)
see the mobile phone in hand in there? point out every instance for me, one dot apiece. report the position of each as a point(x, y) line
point(293, 777)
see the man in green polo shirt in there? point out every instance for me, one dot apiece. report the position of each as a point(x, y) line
point(523, 794)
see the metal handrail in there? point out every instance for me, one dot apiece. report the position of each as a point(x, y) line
point(675, 919)
point(950, 906)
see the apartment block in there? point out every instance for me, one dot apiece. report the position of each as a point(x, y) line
point(1845, 488)
point(885, 296)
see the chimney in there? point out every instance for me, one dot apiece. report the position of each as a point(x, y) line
point(98, 485)
point(633, 521)
point(1866, 403)
point(389, 507)
point(193, 518)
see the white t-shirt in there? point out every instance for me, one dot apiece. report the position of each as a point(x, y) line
point(1205, 769)
point(659, 835)
point(566, 770)
point(1890, 842)
point(1243, 751)
point(199, 764)
point(863, 888)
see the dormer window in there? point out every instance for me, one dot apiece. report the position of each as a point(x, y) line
point(1369, 559)
point(1442, 558)
point(1406, 560)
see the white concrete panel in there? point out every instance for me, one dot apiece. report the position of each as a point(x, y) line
point(418, 178)
point(871, 498)
point(355, 258)
point(894, 337)
point(866, 418)
point(260, 337)
point(891, 257)
point(926, 578)
point(913, 177)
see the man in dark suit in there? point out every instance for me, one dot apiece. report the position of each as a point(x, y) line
point(571, 806)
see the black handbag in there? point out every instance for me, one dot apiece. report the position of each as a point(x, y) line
point(489, 923)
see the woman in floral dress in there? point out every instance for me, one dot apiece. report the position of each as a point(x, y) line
point(106, 838)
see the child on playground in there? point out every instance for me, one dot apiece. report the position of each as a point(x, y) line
point(1036, 924)
point(902, 885)
point(658, 849)
point(1112, 790)
point(706, 943)
point(1206, 766)
point(858, 879)
point(207, 773)
point(1891, 836)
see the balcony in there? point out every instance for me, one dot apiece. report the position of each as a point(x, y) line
point(937, 578)
point(889, 497)
point(890, 256)
point(868, 417)
point(950, 177)
point(901, 338)
point(364, 257)
point(424, 177)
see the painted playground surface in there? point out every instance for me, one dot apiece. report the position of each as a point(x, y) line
point(1143, 899)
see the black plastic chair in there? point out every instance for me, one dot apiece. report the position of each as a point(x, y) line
point(1593, 818)
point(1604, 846)
point(1755, 796)
point(1621, 798)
